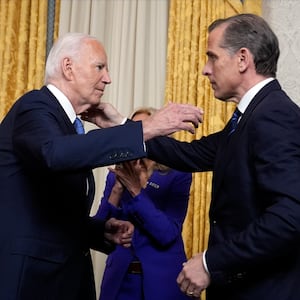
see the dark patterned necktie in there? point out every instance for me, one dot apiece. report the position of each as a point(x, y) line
point(234, 121)
point(78, 126)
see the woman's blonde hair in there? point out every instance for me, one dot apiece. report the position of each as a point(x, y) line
point(143, 110)
point(150, 111)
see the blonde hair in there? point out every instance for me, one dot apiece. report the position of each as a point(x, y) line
point(143, 110)
point(150, 111)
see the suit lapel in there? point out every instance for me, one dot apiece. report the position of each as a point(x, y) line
point(63, 117)
point(228, 145)
point(68, 128)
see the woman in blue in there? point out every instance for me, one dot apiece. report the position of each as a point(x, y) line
point(155, 199)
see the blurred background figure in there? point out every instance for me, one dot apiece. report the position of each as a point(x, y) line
point(155, 199)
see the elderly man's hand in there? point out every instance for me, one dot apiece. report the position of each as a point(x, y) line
point(104, 115)
point(171, 118)
point(119, 232)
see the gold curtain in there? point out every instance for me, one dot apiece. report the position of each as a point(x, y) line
point(186, 57)
point(56, 20)
point(23, 25)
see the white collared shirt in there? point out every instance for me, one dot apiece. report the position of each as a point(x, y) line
point(63, 101)
point(250, 94)
point(66, 104)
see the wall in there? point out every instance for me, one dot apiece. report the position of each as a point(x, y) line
point(283, 16)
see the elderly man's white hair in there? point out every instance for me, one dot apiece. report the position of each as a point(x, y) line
point(68, 45)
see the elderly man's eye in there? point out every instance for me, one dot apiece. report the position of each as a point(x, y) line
point(101, 67)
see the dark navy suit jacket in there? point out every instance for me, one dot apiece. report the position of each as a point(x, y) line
point(254, 243)
point(45, 228)
point(158, 213)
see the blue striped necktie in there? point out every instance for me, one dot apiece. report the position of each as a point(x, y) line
point(78, 126)
point(234, 121)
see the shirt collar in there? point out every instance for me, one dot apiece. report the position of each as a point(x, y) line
point(63, 101)
point(247, 98)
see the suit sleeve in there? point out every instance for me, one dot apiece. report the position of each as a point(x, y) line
point(45, 138)
point(196, 156)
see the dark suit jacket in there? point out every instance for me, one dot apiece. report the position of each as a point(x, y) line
point(254, 244)
point(45, 228)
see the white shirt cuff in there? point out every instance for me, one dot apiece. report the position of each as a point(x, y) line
point(204, 262)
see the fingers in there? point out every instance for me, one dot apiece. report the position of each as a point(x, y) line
point(129, 228)
point(187, 287)
point(117, 239)
point(87, 117)
point(191, 114)
point(126, 237)
point(102, 105)
point(193, 294)
point(120, 232)
point(126, 241)
point(186, 109)
point(172, 118)
point(113, 225)
point(104, 115)
point(193, 278)
point(119, 166)
point(188, 127)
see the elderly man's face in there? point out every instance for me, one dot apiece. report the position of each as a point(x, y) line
point(90, 74)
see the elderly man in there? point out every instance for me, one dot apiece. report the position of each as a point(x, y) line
point(46, 164)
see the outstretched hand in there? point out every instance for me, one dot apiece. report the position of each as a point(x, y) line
point(119, 232)
point(165, 121)
point(104, 115)
point(171, 118)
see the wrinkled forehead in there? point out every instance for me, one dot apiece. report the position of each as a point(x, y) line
point(94, 51)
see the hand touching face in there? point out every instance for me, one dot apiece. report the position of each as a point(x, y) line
point(134, 174)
